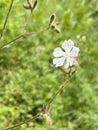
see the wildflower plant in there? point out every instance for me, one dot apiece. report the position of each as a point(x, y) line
point(65, 58)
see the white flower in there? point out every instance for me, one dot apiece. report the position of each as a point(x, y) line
point(68, 54)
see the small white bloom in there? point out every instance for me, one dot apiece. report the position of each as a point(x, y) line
point(68, 54)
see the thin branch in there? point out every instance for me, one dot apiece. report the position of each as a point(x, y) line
point(28, 19)
point(11, 42)
point(31, 11)
point(38, 32)
point(40, 114)
point(24, 122)
point(7, 16)
point(24, 35)
point(56, 94)
point(45, 109)
point(59, 91)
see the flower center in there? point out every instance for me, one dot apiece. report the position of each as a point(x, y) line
point(67, 54)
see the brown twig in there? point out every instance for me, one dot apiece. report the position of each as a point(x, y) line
point(40, 114)
point(38, 32)
point(11, 42)
point(28, 19)
point(7, 16)
point(24, 122)
point(59, 91)
point(45, 109)
point(24, 35)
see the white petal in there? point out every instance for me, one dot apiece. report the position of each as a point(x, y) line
point(58, 52)
point(74, 52)
point(68, 45)
point(69, 62)
point(59, 61)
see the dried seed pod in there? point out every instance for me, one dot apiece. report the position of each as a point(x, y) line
point(53, 26)
point(26, 6)
point(56, 29)
point(34, 4)
point(52, 18)
point(30, 3)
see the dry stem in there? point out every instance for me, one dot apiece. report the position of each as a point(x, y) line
point(24, 35)
point(7, 16)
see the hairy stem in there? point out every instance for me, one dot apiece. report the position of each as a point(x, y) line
point(29, 17)
point(11, 42)
point(24, 35)
point(27, 22)
point(24, 122)
point(58, 92)
point(38, 32)
point(7, 16)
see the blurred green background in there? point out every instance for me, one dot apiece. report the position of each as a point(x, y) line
point(27, 80)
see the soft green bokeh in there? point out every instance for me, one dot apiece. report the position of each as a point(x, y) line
point(27, 80)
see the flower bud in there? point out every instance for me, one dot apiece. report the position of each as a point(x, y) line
point(75, 62)
point(48, 119)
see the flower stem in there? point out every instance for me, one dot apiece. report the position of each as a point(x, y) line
point(24, 122)
point(27, 22)
point(58, 92)
point(6, 19)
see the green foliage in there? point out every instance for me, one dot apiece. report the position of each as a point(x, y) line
point(27, 80)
